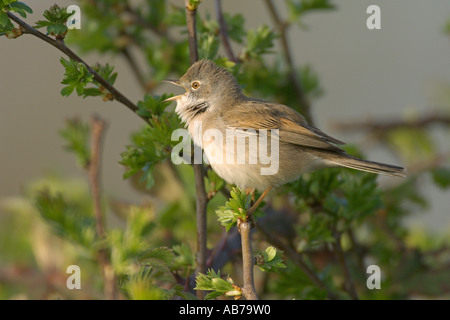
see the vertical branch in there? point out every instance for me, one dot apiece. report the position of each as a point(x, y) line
point(201, 196)
point(191, 18)
point(282, 27)
point(97, 128)
point(248, 260)
point(93, 169)
point(201, 204)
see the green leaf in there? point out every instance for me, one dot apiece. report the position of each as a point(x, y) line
point(221, 285)
point(259, 41)
point(21, 8)
point(160, 258)
point(298, 8)
point(76, 77)
point(184, 256)
point(68, 219)
point(317, 231)
point(310, 82)
point(234, 209)
point(5, 23)
point(67, 91)
point(235, 26)
point(151, 146)
point(213, 282)
point(193, 4)
point(208, 46)
point(56, 22)
point(76, 135)
point(441, 177)
point(270, 260)
point(152, 105)
point(5, 3)
point(213, 182)
point(414, 144)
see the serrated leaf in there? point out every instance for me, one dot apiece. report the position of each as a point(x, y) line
point(159, 258)
point(21, 8)
point(259, 41)
point(271, 253)
point(221, 285)
point(184, 255)
point(76, 135)
point(4, 20)
point(270, 260)
point(67, 91)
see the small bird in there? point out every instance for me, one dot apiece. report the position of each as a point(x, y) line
point(214, 101)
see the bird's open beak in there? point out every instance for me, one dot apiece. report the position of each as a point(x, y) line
point(177, 83)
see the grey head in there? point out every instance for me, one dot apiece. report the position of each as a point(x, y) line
point(209, 88)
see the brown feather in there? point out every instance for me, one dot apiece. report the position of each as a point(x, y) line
point(259, 114)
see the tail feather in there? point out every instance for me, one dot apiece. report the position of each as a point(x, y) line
point(368, 166)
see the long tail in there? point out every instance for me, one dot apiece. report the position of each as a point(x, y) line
point(348, 161)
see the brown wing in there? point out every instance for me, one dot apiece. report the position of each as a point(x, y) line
point(293, 128)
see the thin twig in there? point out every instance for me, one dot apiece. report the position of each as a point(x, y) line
point(97, 129)
point(248, 260)
point(436, 161)
point(136, 69)
point(298, 260)
point(386, 125)
point(60, 45)
point(224, 32)
point(282, 27)
point(191, 17)
point(258, 202)
point(137, 19)
point(349, 284)
point(201, 196)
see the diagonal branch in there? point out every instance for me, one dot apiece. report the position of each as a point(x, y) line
point(126, 52)
point(298, 260)
point(160, 31)
point(60, 45)
point(386, 125)
point(282, 27)
point(224, 32)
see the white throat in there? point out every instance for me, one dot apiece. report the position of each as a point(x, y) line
point(189, 108)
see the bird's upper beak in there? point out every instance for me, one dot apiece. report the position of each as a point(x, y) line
point(177, 83)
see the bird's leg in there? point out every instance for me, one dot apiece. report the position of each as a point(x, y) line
point(258, 202)
point(250, 191)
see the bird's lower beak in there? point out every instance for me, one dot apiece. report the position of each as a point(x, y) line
point(177, 83)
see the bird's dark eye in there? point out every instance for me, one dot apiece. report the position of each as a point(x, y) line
point(195, 85)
